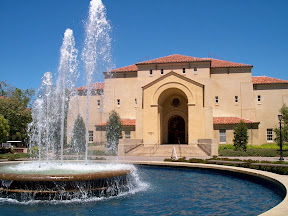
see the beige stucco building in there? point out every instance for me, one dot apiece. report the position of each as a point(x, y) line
point(192, 104)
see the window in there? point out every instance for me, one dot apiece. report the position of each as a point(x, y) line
point(90, 136)
point(175, 102)
point(151, 72)
point(127, 134)
point(184, 70)
point(269, 135)
point(236, 99)
point(222, 134)
point(162, 71)
point(98, 103)
point(135, 101)
point(118, 102)
point(195, 70)
point(216, 99)
point(259, 98)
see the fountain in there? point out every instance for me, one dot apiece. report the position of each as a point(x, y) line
point(60, 180)
point(52, 179)
point(25, 182)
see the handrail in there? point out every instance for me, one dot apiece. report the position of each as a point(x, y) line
point(154, 148)
point(133, 147)
point(180, 151)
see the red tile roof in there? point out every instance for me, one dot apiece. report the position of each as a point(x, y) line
point(267, 80)
point(125, 122)
point(126, 69)
point(95, 86)
point(216, 63)
point(176, 58)
point(231, 120)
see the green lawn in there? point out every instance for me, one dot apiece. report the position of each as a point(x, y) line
point(265, 150)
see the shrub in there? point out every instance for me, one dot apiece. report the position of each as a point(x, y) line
point(4, 129)
point(6, 150)
point(247, 164)
point(196, 160)
point(252, 152)
point(101, 153)
point(240, 137)
point(229, 146)
point(34, 151)
point(12, 157)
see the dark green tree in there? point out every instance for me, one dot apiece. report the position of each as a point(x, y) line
point(14, 106)
point(4, 129)
point(240, 137)
point(78, 139)
point(113, 131)
point(56, 132)
point(284, 126)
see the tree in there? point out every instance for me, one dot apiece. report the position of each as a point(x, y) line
point(4, 129)
point(240, 137)
point(14, 104)
point(113, 131)
point(78, 140)
point(284, 126)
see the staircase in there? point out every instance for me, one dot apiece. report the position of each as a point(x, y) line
point(166, 151)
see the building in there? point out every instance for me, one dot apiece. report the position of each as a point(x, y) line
point(192, 102)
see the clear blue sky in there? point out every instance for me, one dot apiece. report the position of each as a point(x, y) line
point(252, 32)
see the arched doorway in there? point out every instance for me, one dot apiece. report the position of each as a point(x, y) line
point(173, 116)
point(176, 130)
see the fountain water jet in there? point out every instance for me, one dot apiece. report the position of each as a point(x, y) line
point(51, 180)
point(67, 76)
point(96, 50)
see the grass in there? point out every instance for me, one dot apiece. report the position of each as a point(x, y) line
point(265, 150)
point(263, 146)
point(100, 153)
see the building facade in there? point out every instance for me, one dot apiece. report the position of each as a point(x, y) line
point(183, 100)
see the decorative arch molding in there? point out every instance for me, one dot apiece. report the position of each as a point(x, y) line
point(173, 113)
point(171, 85)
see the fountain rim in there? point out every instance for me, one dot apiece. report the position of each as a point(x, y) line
point(65, 177)
point(61, 177)
point(282, 180)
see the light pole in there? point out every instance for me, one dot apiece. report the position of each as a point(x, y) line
point(281, 150)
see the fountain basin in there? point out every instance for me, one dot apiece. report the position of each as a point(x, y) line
point(79, 181)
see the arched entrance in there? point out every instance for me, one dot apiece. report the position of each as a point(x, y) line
point(176, 130)
point(173, 116)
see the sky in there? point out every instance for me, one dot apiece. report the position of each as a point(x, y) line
point(244, 31)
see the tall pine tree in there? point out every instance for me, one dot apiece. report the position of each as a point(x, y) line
point(240, 137)
point(113, 131)
point(78, 140)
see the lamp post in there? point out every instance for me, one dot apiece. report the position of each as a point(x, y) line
point(281, 150)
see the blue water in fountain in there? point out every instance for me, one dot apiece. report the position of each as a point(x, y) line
point(169, 192)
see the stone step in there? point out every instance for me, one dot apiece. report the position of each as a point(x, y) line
point(166, 151)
